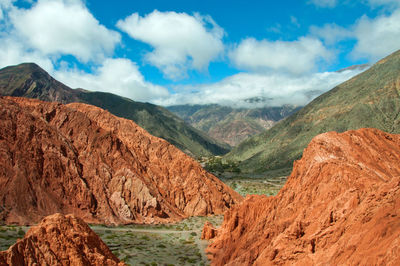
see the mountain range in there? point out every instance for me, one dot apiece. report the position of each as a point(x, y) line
point(231, 125)
point(370, 99)
point(30, 81)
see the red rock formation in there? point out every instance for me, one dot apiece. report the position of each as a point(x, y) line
point(209, 232)
point(80, 159)
point(340, 206)
point(59, 240)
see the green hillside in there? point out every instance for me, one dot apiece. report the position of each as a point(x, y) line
point(29, 80)
point(370, 99)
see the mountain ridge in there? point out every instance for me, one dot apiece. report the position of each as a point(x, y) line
point(231, 125)
point(80, 159)
point(30, 81)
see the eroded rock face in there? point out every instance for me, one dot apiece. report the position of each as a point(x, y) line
point(341, 205)
point(59, 240)
point(209, 231)
point(80, 159)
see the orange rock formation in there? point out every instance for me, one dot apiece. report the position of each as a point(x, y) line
point(340, 206)
point(80, 159)
point(209, 232)
point(59, 240)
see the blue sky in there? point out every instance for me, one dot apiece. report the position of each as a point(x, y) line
point(197, 52)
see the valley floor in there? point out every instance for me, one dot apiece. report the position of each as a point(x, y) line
point(168, 244)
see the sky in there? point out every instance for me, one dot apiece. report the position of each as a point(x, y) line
point(238, 53)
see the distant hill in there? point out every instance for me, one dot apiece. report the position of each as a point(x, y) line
point(368, 100)
point(30, 81)
point(231, 125)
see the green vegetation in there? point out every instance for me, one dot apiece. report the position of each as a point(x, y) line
point(30, 81)
point(370, 99)
point(228, 124)
point(9, 235)
point(217, 166)
point(259, 186)
point(163, 244)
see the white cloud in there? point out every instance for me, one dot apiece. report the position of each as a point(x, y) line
point(118, 76)
point(331, 33)
point(50, 29)
point(64, 27)
point(377, 37)
point(324, 3)
point(180, 41)
point(273, 89)
point(13, 52)
point(374, 37)
point(296, 57)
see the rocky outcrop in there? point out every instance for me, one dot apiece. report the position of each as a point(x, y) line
point(209, 232)
point(340, 206)
point(80, 159)
point(59, 240)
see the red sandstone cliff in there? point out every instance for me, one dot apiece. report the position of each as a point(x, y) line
point(340, 206)
point(80, 159)
point(59, 240)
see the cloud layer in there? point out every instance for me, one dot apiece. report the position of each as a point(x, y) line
point(180, 41)
point(270, 90)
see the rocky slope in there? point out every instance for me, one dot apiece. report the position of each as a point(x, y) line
point(80, 159)
point(340, 206)
point(30, 81)
point(231, 125)
point(59, 240)
point(368, 100)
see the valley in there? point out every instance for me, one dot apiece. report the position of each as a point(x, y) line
point(166, 133)
point(231, 125)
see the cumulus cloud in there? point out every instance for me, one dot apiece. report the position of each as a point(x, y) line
point(377, 37)
point(64, 27)
point(180, 41)
point(374, 37)
point(50, 29)
point(241, 89)
point(119, 76)
point(296, 57)
point(13, 52)
point(324, 3)
point(331, 33)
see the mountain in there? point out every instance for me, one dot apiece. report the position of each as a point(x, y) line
point(30, 81)
point(80, 159)
point(59, 240)
point(231, 125)
point(370, 99)
point(340, 206)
